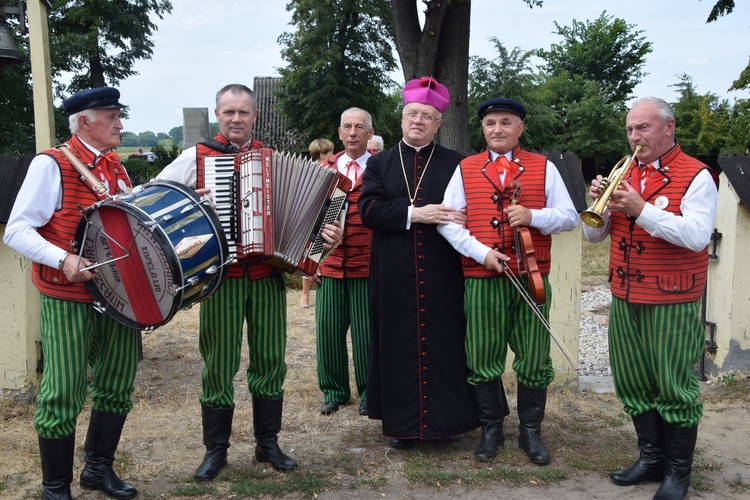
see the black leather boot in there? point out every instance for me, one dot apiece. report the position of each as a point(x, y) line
point(492, 407)
point(267, 421)
point(679, 446)
point(531, 405)
point(217, 428)
point(650, 463)
point(99, 452)
point(57, 466)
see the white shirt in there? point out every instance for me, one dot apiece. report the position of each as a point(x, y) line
point(38, 199)
point(352, 175)
point(559, 214)
point(691, 230)
point(183, 169)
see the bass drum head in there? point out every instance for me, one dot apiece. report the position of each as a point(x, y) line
point(137, 283)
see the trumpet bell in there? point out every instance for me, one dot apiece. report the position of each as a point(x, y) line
point(591, 218)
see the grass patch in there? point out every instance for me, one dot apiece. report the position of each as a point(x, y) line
point(438, 470)
point(195, 490)
point(737, 484)
point(254, 482)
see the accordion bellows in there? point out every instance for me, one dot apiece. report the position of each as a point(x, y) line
point(273, 206)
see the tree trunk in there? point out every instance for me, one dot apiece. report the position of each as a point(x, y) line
point(441, 50)
point(453, 71)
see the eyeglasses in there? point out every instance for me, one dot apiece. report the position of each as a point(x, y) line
point(413, 115)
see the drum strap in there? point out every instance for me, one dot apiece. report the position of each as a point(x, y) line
point(145, 309)
point(97, 185)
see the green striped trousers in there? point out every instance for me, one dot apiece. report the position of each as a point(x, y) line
point(74, 335)
point(652, 349)
point(262, 304)
point(339, 305)
point(498, 318)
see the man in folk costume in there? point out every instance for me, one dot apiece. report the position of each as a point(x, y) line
point(252, 292)
point(660, 224)
point(416, 383)
point(497, 315)
point(41, 227)
point(342, 300)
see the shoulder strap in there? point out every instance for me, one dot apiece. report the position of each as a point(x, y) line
point(220, 147)
point(97, 185)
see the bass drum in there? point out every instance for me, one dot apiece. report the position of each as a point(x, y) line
point(156, 250)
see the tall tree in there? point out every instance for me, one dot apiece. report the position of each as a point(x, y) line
point(607, 50)
point(702, 121)
point(721, 8)
point(99, 41)
point(95, 41)
point(338, 57)
point(590, 75)
point(440, 49)
point(511, 74)
point(16, 106)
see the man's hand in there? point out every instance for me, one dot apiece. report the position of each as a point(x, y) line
point(71, 267)
point(626, 200)
point(315, 278)
point(332, 234)
point(594, 189)
point(492, 261)
point(518, 215)
point(436, 214)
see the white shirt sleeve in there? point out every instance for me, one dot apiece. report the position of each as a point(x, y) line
point(460, 238)
point(559, 214)
point(183, 169)
point(40, 195)
point(693, 229)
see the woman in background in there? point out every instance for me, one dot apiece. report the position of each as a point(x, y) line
point(320, 150)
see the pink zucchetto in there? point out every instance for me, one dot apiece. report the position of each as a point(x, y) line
point(426, 90)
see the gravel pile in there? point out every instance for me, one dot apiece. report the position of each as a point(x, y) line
point(593, 347)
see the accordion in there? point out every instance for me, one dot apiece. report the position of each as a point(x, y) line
point(273, 206)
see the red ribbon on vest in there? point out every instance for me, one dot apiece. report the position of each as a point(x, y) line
point(106, 165)
point(353, 165)
point(504, 166)
point(646, 177)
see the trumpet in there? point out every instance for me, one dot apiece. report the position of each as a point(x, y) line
point(593, 215)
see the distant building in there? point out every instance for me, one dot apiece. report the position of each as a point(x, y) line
point(271, 127)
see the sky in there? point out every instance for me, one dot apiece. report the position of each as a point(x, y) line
point(202, 46)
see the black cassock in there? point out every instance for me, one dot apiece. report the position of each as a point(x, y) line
point(417, 376)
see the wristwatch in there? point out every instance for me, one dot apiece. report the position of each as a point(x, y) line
point(62, 261)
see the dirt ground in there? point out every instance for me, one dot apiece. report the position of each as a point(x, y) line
point(345, 456)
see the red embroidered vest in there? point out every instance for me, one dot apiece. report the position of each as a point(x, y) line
point(237, 270)
point(649, 270)
point(352, 257)
point(61, 228)
point(486, 199)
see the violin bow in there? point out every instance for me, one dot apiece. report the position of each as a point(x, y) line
point(530, 301)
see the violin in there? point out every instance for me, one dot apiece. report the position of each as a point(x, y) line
point(527, 265)
point(533, 293)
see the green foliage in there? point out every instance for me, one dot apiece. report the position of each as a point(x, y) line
point(99, 41)
point(339, 57)
point(177, 135)
point(738, 140)
point(702, 121)
point(142, 171)
point(607, 51)
point(510, 75)
point(577, 101)
point(721, 8)
point(16, 106)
